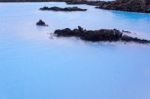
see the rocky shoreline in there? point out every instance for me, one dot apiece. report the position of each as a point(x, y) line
point(121, 5)
point(106, 35)
point(142, 6)
point(67, 9)
point(130, 5)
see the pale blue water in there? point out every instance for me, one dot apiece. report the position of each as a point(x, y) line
point(32, 66)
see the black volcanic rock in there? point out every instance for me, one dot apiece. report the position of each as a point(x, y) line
point(41, 23)
point(68, 9)
point(126, 5)
point(122, 5)
point(111, 35)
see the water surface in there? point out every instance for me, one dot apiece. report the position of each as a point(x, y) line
point(33, 66)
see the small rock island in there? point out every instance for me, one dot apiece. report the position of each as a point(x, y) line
point(110, 35)
point(67, 9)
point(41, 23)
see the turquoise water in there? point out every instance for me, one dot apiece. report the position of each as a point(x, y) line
point(33, 66)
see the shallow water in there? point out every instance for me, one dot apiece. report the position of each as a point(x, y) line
point(33, 66)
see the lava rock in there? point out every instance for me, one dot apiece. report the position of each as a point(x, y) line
point(41, 23)
point(111, 35)
point(125, 5)
point(68, 9)
point(122, 5)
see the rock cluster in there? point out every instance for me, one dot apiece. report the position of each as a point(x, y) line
point(68, 9)
point(111, 35)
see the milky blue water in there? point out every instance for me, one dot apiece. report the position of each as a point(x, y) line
point(33, 66)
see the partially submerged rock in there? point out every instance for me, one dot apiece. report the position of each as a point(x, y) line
point(69, 9)
point(111, 35)
point(41, 23)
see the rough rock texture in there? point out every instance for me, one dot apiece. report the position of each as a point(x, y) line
point(126, 5)
point(122, 5)
point(111, 35)
point(68, 9)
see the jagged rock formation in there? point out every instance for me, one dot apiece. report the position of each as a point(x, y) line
point(67, 9)
point(111, 35)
